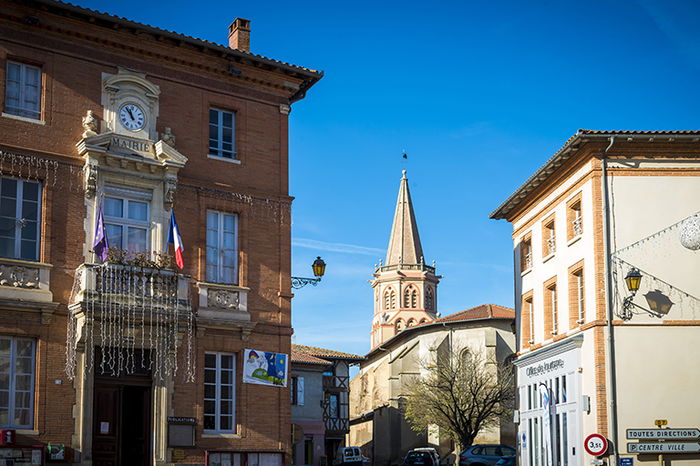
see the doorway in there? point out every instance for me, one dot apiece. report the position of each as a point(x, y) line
point(121, 420)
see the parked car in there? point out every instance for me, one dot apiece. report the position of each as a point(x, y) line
point(506, 461)
point(484, 455)
point(349, 456)
point(425, 456)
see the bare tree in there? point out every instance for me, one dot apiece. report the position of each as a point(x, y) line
point(462, 393)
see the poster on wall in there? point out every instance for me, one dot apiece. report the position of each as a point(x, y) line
point(265, 368)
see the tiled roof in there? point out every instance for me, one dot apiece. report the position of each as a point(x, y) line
point(565, 152)
point(493, 311)
point(325, 353)
point(303, 358)
point(185, 38)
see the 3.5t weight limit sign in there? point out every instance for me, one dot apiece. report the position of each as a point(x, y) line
point(596, 444)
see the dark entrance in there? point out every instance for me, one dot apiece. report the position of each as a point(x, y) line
point(122, 417)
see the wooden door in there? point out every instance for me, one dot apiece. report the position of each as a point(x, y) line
point(106, 425)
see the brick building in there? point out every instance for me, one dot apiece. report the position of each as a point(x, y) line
point(118, 360)
point(611, 360)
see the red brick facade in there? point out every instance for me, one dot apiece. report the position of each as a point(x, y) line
point(75, 49)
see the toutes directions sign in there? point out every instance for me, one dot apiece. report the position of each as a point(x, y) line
point(662, 434)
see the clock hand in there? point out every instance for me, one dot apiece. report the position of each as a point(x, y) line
point(129, 112)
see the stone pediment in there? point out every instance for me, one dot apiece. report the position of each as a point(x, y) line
point(127, 148)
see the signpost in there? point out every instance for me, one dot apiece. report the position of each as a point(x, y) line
point(626, 461)
point(596, 444)
point(663, 447)
point(662, 434)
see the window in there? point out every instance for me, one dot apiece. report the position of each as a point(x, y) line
point(23, 90)
point(410, 297)
point(16, 382)
point(399, 325)
point(550, 306)
point(223, 458)
point(574, 219)
point(19, 219)
point(127, 218)
point(429, 298)
point(577, 310)
point(527, 321)
point(219, 392)
point(222, 247)
point(549, 242)
point(410, 323)
point(221, 132)
point(389, 299)
point(332, 399)
point(296, 390)
point(526, 254)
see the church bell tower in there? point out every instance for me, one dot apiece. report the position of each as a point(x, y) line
point(405, 288)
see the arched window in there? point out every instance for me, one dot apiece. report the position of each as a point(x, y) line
point(399, 325)
point(411, 323)
point(422, 321)
point(466, 357)
point(429, 298)
point(410, 297)
point(390, 299)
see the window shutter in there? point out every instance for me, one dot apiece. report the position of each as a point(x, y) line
point(300, 391)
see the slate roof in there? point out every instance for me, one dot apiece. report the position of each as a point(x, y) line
point(75, 9)
point(565, 153)
point(325, 353)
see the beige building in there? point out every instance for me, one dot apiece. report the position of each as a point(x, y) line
point(607, 204)
point(407, 331)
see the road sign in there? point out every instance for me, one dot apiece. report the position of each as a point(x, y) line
point(596, 444)
point(663, 447)
point(626, 461)
point(673, 434)
point(661, 422)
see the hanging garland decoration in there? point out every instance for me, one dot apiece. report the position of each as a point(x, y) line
point(684, 224)
point(53, 174)
point(130, 309)
point(261, 208)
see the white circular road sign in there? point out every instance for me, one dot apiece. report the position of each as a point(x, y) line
point(596, 444)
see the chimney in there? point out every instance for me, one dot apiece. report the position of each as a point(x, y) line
point(239, 35)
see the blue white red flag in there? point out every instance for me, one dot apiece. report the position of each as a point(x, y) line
point(174, 238)
point(100, 245)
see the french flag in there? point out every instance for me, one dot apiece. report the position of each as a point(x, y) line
point(174, 238)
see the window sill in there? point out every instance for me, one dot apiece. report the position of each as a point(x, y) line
point(224, 159)
point(221, 435)
point(547, 258)
point(21, 118)
point(580, 321)
point(525, 272)
point(574, 240)
point(26, 431)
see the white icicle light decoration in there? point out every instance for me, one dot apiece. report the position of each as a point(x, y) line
point(690, 233)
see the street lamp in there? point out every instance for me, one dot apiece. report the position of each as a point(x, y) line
point(633, 279)
point(319, 268)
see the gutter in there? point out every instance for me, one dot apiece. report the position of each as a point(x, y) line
point(612, 371)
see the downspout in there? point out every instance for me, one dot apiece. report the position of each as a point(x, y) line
point(612, 372)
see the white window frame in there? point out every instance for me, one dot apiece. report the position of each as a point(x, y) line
point(218, 370)
point(23, 110)
point(581, 299)
point(553, 296)
point(20, 221)
point(217, 149)
point(128, 195)
point(12, 391)
point(220, 250)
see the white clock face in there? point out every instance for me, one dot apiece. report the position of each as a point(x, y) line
point(132, 117)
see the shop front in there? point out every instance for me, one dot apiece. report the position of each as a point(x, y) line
point(550, 404)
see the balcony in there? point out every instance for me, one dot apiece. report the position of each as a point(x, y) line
point(115, 287)
point(421, 267)
point(26, 285)
point(225, 307)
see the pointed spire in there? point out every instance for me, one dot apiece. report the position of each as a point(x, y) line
point(404, 244)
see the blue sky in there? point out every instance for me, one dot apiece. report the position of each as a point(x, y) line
point(479, 94)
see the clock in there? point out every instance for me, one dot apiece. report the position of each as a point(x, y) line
point(132, 117)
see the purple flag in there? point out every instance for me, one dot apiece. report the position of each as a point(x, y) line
point(100, 245)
